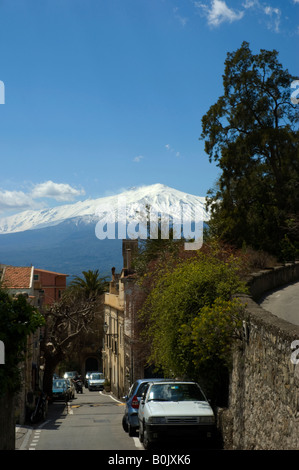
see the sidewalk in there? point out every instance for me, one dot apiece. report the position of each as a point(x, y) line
point(23, 434)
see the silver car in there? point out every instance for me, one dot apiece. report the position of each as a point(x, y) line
point(96, 381)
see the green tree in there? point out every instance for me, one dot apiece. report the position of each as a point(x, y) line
point(18, 319)
point(156, 250)
point(90, 285)
point(252, 134)
point(183, 308)
point(69, 319)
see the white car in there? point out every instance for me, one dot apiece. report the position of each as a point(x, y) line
point(96, 381)
point(174, 409)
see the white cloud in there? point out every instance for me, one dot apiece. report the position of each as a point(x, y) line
point(250, 4)
point(138, 158)
point(183, 20)
point(58, 191)
point(172, 150)
point(274, 14)
point(12, 201)
point(218, 12)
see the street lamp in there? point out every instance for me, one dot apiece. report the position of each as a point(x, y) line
point(106, 328)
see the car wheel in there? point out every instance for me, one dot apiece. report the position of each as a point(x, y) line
point(131, 430)
point(141, 433)
point(125, 424)
point(147, 444)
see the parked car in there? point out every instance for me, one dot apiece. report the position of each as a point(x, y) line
point(70, 375)
point(71, 387)
point(174, 410)
point(96, 381)
point(60, 390)
point(130, 419)
point(87, 375)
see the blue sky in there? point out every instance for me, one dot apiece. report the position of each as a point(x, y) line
point(103, 95)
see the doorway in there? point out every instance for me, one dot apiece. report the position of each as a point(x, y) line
point(91, 364)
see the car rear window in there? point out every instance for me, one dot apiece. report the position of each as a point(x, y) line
point(176, 392)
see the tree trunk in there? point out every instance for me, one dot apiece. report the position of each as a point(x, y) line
point(7, 421)
point(50, 365)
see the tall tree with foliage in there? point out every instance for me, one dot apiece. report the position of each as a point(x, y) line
point(252, 133)
point(190, 319)
point(68, 319)
point(90, 285)
point(18, 319)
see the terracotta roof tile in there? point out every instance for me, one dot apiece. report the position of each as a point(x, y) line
point(17, 277)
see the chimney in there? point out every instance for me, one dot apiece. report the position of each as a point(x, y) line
point(130, 246)
point(113, 273)
point(129, 258)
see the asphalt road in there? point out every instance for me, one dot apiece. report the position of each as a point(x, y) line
point(284, 303)
point(91, 421)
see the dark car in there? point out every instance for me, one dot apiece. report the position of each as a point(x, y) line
point(130, 419)
point(60, 390)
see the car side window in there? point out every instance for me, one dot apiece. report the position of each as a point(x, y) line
point(142, 388)
point(144, 391)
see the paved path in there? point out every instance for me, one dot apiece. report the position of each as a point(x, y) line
point(284, 303)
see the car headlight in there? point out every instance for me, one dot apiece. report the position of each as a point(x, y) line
point(157, 420)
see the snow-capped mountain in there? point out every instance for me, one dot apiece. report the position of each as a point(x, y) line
point(158, 197)
point(64, 238)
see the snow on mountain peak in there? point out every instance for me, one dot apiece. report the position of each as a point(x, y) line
point(157, 196)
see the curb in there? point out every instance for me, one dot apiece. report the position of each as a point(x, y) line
point(22, 436)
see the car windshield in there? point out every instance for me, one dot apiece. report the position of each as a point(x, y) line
point(59, 383)
point(176, 392)
point(98, 376)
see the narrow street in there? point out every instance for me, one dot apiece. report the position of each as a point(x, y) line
point(91, 421)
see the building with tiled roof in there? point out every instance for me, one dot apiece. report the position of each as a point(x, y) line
point(42, 287)
point(18, 279)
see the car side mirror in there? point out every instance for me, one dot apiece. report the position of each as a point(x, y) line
point(143, 398)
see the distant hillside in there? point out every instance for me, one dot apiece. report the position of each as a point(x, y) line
point(63, 238)
point(69, 248)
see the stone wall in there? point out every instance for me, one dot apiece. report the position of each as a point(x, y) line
point(263, 408)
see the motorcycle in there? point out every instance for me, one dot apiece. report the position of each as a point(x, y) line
point(78, 385)
point(40, 411)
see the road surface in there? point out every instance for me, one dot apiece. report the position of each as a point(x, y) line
point(91, 421)
point(284, 303)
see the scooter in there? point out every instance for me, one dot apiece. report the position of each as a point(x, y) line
point(78, 386)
